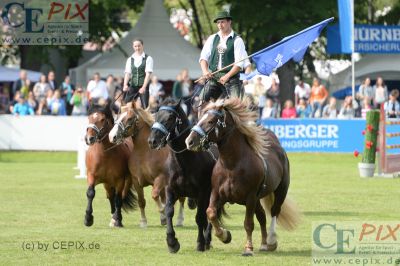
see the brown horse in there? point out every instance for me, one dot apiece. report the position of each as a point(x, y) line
point(107, 164)
point(251, 166)
point(147, 165)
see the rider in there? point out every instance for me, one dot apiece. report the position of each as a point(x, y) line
point(220, 50)
point(138, 70)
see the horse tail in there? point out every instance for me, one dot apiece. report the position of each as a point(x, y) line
point(289, 216)
point(129, 202)
point(221, 213)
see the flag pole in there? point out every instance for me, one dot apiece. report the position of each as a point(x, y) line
point(353, 83)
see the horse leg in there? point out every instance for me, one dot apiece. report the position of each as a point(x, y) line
point(260, 214)
point(116, 220)
point(181, 218)
point(111, 197)
point(249, 226)
point(280, 195)
point(212, 215)
point(208, 235)
point(201, 221)
point(90, 193)
point(172, 242)
point(141, 201)
point(156, 195)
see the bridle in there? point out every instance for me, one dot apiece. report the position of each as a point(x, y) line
point(123, 129)
point(204, 135)
point(99, 136)
point(167, 132)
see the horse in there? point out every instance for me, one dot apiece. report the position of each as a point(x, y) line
point(252, 170)
point(147, 165)
point(189, 172)
point(107, 164)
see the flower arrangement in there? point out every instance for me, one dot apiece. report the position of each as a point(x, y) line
point(371, 137)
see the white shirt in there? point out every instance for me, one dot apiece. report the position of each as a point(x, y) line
point(239, 49)
point(98, 89)
point(137, 59)
point(303, 92)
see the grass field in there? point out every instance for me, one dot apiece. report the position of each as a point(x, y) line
point(42, 202)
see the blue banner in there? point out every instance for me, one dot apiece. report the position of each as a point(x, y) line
point(368, 39)
point(318, 135)
point(346, 23)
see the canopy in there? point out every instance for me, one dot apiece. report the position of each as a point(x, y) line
point(8, 74)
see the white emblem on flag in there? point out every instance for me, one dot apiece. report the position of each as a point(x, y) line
point(278, 60)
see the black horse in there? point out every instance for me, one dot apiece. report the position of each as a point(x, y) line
point(189, 172)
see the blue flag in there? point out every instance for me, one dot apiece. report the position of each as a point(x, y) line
point(346, 25)
point(291, 47)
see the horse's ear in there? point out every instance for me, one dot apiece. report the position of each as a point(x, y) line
point(219, 103)
point(179, 103)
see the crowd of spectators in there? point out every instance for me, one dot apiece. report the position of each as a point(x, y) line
point(46, 97)
point(314, 101)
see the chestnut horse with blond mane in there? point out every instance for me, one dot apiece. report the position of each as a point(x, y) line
point(252, 170)
point(147, 165)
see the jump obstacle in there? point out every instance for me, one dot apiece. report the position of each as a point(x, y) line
point(389, 163)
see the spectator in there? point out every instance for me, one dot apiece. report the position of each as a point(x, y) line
point(32, 102)
point(347, 110)
point(79, 102)
point(366, 106)
point(22, 107)
point(14, 101)
point(43, 108)
point(67, 90)
point(57, 104)
point(273, 92)
point(289, 111)
point(19, 83)
point(381, 92)
point(302, 90)
point(177, 87)
point(317, 98)
point(41, 88)
point(392, 107)
point(269, 111)
point(154, 88)
point(259, 95)
point(97, 89)
point(51, 79)
point(49, 97)
point(366, 90)
point(303, 109)
point(25, 89)
point(111, 87)
point(330, 110)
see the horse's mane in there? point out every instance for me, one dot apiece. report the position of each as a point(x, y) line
point(106, 110)
point(168, 102)
point(146, 116)
point(244, 120)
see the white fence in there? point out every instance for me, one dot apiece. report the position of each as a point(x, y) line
point(47, 133)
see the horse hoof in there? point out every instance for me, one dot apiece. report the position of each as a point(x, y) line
point(201, 247)
point(174, 248)
point(88, 220)
point(143, 224)
point(179, 223)
point(272, 247)
point(263, 248)
point(208, 246)
point(228, 238)
point(163, 221)
point(247, 253)
point(115, 224)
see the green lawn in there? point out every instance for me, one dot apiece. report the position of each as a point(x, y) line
point(42, 202)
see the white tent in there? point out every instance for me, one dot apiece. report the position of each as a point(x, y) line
point(370, 65)
point(171, 53)
point(8, 74)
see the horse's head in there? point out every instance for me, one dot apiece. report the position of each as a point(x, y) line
point(126, 125)
point(167, 119)
point(209, 128)
point(100, 122)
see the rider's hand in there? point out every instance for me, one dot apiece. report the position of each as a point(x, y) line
point(224, 79)
point(142, 90)
point(126, 88)
point(207, 75)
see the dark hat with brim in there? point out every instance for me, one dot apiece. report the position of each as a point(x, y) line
point(223, 15)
